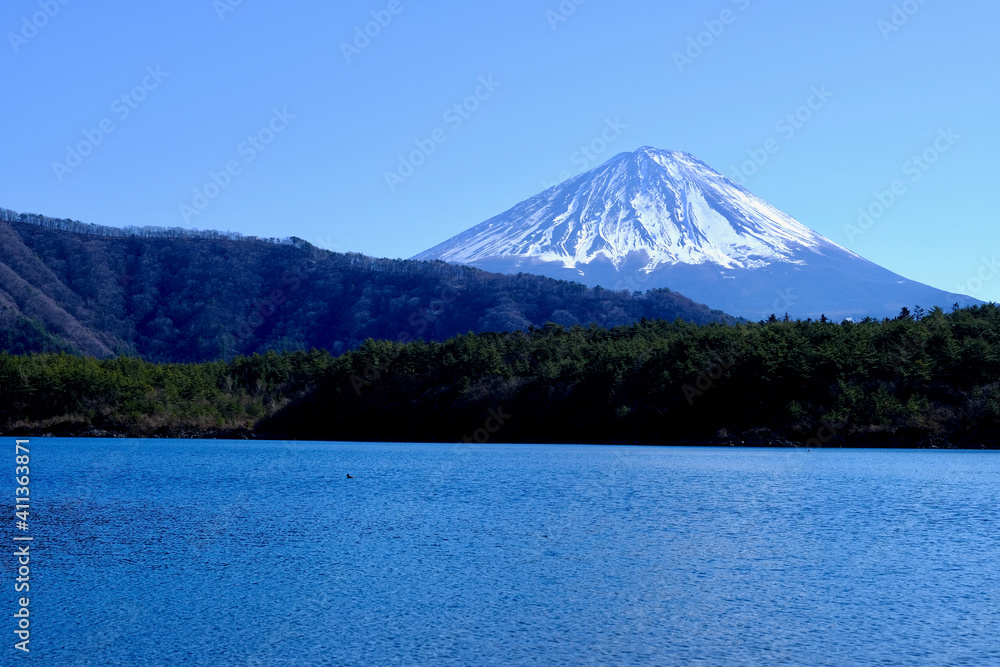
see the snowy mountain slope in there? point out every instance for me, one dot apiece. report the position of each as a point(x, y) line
point(657, 218)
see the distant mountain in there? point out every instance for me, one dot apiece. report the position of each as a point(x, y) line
point(656, 218)
point(181, 296)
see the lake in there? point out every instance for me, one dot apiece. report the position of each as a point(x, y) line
point(163, 552)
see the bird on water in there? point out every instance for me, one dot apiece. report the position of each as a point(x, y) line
point(349, 476)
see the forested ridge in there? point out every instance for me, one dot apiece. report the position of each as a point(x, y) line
point(178, 296)
point(147, 231)
point(922, 379)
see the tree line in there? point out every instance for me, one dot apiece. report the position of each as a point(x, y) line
point(922, 379)
point(129, 231)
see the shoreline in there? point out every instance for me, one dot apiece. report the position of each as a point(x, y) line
point(755, 440)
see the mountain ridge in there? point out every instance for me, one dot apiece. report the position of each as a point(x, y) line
point(170, 298)
point(666, 219)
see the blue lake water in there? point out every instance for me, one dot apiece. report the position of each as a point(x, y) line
point(165, 552)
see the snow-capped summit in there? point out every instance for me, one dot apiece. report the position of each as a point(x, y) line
point(668, 204)
point(656, 218)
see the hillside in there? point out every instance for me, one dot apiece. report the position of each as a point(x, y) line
point(180, 296)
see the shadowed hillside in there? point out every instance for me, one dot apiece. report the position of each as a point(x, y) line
point(181, 296)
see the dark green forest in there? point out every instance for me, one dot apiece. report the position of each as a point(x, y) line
point(920, 380)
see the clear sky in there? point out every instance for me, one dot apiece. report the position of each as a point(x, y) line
point(118, 112)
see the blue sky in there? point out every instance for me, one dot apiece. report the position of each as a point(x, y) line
point(285, 119)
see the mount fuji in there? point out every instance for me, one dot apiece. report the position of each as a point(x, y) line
point(657, 218)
